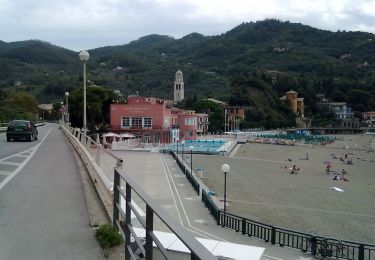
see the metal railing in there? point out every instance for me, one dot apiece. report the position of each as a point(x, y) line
point(188, 172)
point(123, 221)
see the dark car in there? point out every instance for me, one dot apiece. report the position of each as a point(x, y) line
point(22, 129)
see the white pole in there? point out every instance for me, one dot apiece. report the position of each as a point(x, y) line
point(84, 101)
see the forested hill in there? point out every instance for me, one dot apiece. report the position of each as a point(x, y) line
point(340, 64)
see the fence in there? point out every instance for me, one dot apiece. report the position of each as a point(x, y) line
point(123, 221)
point(187, 171)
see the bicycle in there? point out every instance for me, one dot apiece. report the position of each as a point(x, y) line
point(323, 248)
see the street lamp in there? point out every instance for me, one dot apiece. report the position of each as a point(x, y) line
point(225, 168)
point(67, 107)
point(84, 57)
point(61, 111)
point(177, 146)
point(191, 158)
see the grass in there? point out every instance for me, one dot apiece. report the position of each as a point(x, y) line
point(108, 236)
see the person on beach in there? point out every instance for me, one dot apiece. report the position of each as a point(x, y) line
point(343, 172)
point(327, 169)
point(294, 170)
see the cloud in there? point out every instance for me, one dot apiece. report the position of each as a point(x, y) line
point(92, 23)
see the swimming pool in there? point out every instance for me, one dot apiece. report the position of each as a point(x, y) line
point(199, 146)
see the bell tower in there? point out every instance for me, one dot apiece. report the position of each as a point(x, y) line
point(178, 89)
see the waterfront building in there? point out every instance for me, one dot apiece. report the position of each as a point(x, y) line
point(368, 119)
point(153, 120)
point(295, 103)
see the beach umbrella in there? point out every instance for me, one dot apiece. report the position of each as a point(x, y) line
point(127, 135)
point(111, 135)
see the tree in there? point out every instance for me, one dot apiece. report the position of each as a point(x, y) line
point(98, 101)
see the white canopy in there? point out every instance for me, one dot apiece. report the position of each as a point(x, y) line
point(111, 135)
point(127, 135)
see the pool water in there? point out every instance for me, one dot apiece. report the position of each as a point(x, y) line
point(200, 146)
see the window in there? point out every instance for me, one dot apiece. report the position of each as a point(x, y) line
point(125, 122)
point(190, 121)
point(137, 121)
point(147, 122)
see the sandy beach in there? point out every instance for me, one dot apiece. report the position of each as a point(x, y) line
point(260, 186)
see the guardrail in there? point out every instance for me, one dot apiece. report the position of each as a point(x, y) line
point(188, 172)
point(123, 221)
point(93, 155)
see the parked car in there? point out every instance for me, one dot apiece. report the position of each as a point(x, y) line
point(21, 129)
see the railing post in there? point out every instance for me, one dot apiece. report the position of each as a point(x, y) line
point(314, 242)
point(116, 197)
point(273, 235)
point(218, 217)
point(97, 155)
point(149, 228)
point(119, 163)
point(361, 252)
point(127, 220)
point(243, 226)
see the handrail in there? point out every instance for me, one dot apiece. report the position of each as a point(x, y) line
point(198, 251)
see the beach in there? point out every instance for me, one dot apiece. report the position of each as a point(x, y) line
point(260, 186)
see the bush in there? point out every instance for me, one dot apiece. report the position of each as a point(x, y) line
point(108, 236)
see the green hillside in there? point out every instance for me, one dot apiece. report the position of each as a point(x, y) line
point(232, 66)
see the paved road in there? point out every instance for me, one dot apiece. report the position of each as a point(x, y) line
point(42, 210)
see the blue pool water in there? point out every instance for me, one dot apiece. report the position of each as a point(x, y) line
point(200, 146)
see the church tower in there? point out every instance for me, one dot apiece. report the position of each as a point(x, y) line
point(178, 89)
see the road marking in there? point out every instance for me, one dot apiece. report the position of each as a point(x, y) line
point(200, 221)
point(170, 187)
point(199, 231)
point(20, 167)
point(9, 163)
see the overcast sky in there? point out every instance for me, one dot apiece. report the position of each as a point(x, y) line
point(88, 24)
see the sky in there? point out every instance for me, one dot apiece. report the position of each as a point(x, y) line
point(88, 24)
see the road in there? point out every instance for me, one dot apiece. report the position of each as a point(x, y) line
point(42, 209)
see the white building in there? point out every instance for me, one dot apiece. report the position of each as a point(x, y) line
point(368, 119)
point(341, 110)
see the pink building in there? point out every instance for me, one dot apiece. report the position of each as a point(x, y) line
point(153, 120)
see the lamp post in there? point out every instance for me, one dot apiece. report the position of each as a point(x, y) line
point(191, 158)
point(67, 107)
point(84, 57)
point(182, 155)
point(177, 146)
point(61, 111)
point(225, 168)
